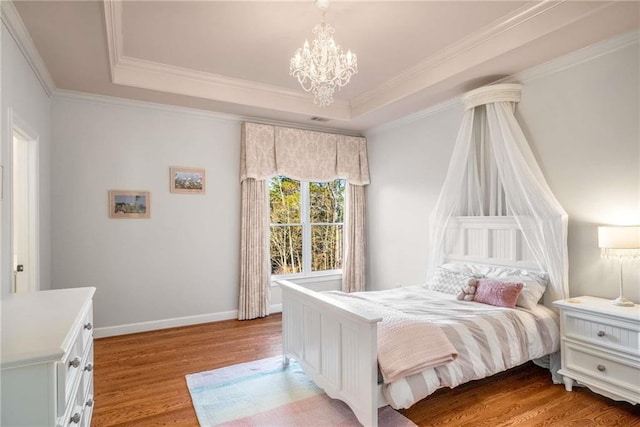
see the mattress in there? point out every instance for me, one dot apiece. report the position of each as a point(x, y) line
point(488, 339)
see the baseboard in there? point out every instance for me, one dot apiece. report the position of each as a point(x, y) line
point(276, 308)
point(154, 325)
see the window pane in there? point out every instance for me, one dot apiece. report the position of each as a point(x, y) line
point(286, 249)
point(284, 200)
point(326, 247)
point(327, 201)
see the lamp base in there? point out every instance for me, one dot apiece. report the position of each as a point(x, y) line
point(622, 301)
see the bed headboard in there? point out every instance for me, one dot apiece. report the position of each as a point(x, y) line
point(493, 240)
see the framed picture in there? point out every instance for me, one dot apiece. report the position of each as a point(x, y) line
point(129, 204)
point(187, 180)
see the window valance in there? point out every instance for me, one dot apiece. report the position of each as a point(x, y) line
point(301, 154)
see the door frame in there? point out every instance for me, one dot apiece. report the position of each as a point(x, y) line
point(19, 126)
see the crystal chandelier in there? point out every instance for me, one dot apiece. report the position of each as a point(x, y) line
point(322, 67)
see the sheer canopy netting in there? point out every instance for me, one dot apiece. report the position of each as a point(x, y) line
point(493, 172)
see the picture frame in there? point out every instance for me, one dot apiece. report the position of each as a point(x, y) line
point(187, 180)
point(129, 204)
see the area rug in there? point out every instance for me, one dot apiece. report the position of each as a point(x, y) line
point(265, 393)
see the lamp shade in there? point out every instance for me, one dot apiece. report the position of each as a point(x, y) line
point(619, 237)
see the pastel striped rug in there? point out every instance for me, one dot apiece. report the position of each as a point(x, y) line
point(264, 393)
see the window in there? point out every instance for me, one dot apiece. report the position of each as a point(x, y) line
point(306, 233)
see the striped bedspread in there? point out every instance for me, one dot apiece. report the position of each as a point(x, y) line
point(488, 339)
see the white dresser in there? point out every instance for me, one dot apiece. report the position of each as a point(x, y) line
point(47, 358)
point(601, 347)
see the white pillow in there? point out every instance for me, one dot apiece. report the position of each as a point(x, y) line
point(532, 291)
point(448, 281)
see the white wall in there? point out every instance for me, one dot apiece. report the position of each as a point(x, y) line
point(583, 125)
point(23, 96)
point(407, 167)
point(180, 266)
point(183, 261)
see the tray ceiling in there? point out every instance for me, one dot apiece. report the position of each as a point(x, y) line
point(233, 56)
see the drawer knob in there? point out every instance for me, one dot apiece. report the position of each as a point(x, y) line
point(601, 368)
point(601, 333)
point(88, 326)
point(89, 367)
point(75, 418)
point(75, 362)
point(89, 402)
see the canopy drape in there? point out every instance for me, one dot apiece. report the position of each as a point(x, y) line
point(494, 172)
point(268, 151)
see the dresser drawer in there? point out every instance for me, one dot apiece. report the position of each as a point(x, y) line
point(87, 374)
point(602, 367)
point(75, 361)
point(86, 329)
point(80, 408)
point(88, 406)
point(601, 331)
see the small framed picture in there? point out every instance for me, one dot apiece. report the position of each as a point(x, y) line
point(129, 204)
point(187, 180)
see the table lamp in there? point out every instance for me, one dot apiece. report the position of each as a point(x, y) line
point(623, 244)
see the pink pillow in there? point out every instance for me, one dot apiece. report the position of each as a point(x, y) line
point(495, 292)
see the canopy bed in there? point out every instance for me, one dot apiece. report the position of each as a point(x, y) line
point(497, 227)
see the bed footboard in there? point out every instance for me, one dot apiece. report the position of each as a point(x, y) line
point(335, 345)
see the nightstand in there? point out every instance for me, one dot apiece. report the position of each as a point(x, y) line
point(601, 347)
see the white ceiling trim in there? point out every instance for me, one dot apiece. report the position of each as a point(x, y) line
point(192, 112)
point(539, 71)
point(18, 31)
point(575, 58)
point(167, 78)
point(518, 28)
point(466, 44)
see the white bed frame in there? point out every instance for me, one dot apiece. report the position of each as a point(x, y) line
point(337, 345)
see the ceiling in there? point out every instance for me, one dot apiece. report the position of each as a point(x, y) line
point(233, 56)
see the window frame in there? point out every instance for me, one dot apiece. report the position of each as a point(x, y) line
point(307, 275)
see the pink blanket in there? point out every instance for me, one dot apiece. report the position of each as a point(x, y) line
point(407, 346)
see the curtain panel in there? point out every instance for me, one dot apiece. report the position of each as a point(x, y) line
point(268, 151)
point(254, 250)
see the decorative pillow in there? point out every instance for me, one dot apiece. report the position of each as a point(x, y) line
point(448, 281)
point(495, 292)
point(531, 292)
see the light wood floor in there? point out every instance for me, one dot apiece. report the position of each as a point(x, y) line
point(139, 381)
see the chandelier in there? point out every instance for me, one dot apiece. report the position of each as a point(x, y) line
point(323, 66)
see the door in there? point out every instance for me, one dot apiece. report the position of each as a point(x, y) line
point(24, 230)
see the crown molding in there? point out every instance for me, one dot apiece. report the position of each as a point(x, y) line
point(522, 26)
point(518, 28)
point(419, 115)
point(192, 112)
point(19, 33)
point(143, 105)
point(168, 78)
point(557, 65)
point(576, 58)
